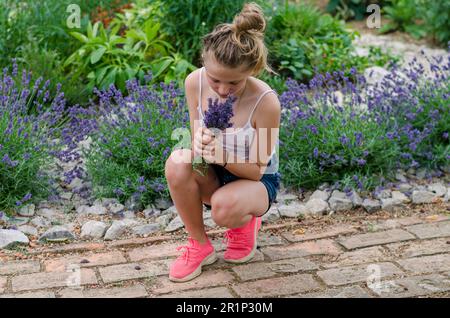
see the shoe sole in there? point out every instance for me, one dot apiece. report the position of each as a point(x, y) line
point(210, 259)
point(252, 253)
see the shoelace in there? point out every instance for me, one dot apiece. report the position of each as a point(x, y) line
point(236, 239)
point(185, 255)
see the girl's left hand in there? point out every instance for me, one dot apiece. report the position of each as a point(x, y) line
point(210, 148)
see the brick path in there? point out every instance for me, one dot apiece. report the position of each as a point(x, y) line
point(394, 257)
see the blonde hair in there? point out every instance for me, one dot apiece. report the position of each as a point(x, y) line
point(240, 43)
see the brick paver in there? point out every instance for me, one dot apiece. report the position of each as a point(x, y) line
point(427, 264)
point(358, 273)
point(302, 249)
point(273, 287)
point(378, 238)
point(3, 282)
point(20, 267)
point(398, 257)
point(432, 230)
point(414, 286)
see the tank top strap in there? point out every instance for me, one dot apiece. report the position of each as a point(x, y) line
point(257, 102)
point(200, 90)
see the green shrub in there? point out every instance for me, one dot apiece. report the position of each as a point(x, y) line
point(403, 15)
point(187, 21)
point(436, 15)
point(348, 9)
point(133, 140)
point(303, 41)
point(108, 58)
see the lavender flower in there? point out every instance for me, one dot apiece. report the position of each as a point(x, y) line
point(217, 116)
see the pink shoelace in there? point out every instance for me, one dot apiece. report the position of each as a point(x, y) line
point(236, 240)
point(185, 255)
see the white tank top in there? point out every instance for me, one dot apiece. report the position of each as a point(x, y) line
point(238, 141)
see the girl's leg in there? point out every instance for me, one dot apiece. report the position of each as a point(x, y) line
point(234, 204)
point(188, 190)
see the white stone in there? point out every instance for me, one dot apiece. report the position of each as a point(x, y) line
point(117, 229)
point(151, 212)
point(419, 197)
point(28, 229)
point(40, 222)
point(27, 210)
point(93, 229)
point(163, 204)
point(146, 229)
point(397, 195)
point(92, 210)
point(9, 238)
point(174, 225)
point(164, 220)
point(438, 188)
point(339, 201)
point(404, 187)
point(116, 208)
point(384, 194)
point(356, 199)
point(293, 210)
point(271, 215)
point(392, 204)
point(316, 206)
point(57, 234)
point(371, 205)
point(318, 194)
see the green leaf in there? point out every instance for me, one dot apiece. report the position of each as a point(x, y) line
point(95, 30)
point(388, 28)
point(89, 30)
point(100, 74)
point(110, 78)
point(151, 31)
point(97, 55)
point(80, 37)
point(159, 68)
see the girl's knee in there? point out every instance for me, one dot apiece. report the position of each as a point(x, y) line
point(178, 167)
point(222, 208)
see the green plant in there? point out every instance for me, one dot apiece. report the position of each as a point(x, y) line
point(48, 64)
point(187, 21)
point(303, 41)
point(133, 139)
point(348, 9)
point(403, 15)
point(436, 15)
point(108, 58)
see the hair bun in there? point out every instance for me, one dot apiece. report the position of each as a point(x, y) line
point(251, 18)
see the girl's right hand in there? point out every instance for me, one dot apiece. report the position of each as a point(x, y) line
point(203, 141)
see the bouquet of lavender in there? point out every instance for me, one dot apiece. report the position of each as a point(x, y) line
point(218, 117)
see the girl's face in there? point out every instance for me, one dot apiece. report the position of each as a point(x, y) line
point(224, 80)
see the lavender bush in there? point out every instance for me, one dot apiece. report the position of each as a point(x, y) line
point(133, 140)
point(30, 126)
point(354, 135)
point(217, 117)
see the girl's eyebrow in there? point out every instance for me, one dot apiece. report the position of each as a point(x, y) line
point(214, 79)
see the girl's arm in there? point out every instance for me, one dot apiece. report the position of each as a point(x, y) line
point(267, 133)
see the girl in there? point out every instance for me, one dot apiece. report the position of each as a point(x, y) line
point(240, 185)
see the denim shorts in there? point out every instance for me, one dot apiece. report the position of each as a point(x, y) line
point(270, 180)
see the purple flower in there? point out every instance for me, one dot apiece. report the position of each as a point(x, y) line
point(218, 114)
point(316, 152)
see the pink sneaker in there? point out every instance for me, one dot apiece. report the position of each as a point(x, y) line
point(242, 242)
point(189, 265)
